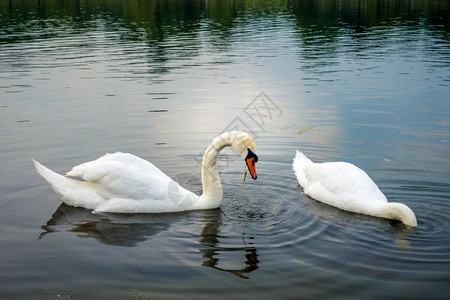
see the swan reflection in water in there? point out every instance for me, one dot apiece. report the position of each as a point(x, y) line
point(212, 251)
point(128, 230)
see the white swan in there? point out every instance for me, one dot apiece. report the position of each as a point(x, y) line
point(347, 187)
point(124, 183)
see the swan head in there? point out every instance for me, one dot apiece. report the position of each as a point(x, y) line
point(401, 212)
point(242, 143)
point(245, 145)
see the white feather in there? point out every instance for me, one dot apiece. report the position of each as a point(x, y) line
point(124, 183)
point(347, 187)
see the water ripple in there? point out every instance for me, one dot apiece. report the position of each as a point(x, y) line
point(322, 237)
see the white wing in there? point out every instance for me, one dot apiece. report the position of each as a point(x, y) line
point(122, 175)
point(342, 185)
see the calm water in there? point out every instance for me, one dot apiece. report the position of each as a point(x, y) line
point(361, 81)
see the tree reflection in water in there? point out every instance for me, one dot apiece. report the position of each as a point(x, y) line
point(128, 230)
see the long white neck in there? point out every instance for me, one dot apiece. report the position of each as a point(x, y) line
point(212, 188)
point(399, 211)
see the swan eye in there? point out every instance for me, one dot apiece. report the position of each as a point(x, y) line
point(251, 155)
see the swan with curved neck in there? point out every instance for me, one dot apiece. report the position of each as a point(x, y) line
point(347, 187)
point(124, 183)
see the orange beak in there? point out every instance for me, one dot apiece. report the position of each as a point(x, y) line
point(251, 159)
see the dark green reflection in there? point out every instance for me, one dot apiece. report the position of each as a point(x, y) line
point(158, 19)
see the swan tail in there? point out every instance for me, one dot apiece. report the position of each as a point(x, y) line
point(52, 178)
point(299, 165)
point(72, 192)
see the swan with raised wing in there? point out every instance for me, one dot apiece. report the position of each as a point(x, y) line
point(347, 187)
point(124, 183)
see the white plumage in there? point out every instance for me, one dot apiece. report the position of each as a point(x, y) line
point(124, 183)
point(347, 187)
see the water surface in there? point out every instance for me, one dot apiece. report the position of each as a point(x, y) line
point(360, 81)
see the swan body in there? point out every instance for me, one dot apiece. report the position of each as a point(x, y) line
point(347, 187)
point(124, 183)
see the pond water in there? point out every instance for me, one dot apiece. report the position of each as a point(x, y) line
point(366, 82)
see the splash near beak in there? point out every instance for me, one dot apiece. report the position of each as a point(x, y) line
point(251, 159)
